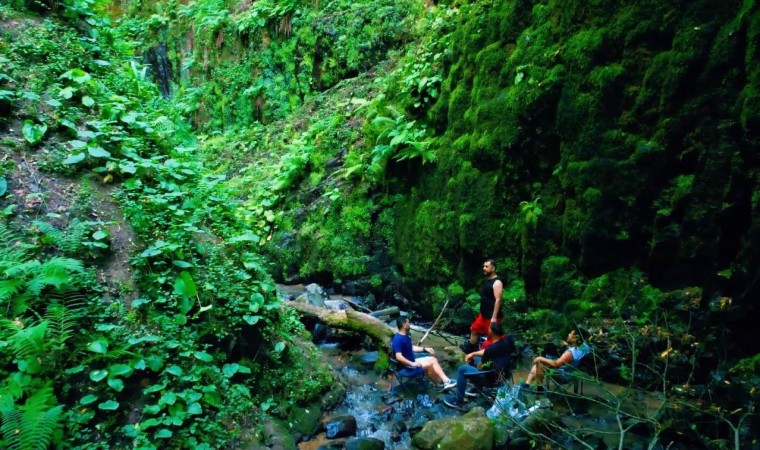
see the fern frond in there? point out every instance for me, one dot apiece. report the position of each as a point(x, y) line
point(34, 425)
point(22, 268)
point(54, 272)
point(62, 322)
point(28, 341)
point(10, 247)
point(9, 288)
point(50, 234)
point(19, 304)
point(76, 234)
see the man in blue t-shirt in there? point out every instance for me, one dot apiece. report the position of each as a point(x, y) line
point(403, 351)
point(497, 356)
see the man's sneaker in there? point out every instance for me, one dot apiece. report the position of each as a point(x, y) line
point(452, 401)
point(471, 393)
point(447, 385)
point(467, 347)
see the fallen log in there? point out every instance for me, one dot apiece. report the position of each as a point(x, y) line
point(348, 319)
point(387, 312)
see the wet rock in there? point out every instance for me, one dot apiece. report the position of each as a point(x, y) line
point(398, 427)
point(312, 299)
point(543, 421)
point(336, 444)
point(519, 444)
point(340, 427)
point(314, 288)
point(395, 437)
point(337, 305)
point(319, 333)
point(391, 399)
point(364, 444)
point(473, 431)
point(425, 401)
point(384, 412)
point(369, 358)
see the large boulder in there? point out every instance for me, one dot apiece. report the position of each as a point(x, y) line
point(364, 443)
point(472, 431)
point(341, 426)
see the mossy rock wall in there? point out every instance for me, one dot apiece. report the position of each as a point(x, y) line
point(629, 128)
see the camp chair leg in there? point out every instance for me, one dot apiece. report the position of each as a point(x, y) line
point(393, 379)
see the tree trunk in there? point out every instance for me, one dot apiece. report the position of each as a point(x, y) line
point(348, 320)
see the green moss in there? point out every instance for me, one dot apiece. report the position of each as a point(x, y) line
point(558, 282)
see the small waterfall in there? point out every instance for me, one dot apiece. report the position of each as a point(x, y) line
point(161, 67)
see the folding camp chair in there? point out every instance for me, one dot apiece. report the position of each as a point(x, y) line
point(404, 374)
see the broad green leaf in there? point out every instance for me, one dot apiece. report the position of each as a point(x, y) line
point(98, 152)
point(279, 347)
point(77, 144)
point(99, 235)
point(99, 346)
point(54, 103)
point(97, 375)
point(116, 384)
point(66, 92)
point(175, 370)
point(154, 362)
point(251, 320)
point(184, 285)
point(130, 117)
point(77, 75)
point(203, 356)
point(151, 409)
point(230, 369)
point(168, 398)
point(150, 422)
point(118, 370)
point(87, 399)
point(164, 433)
point(194, 408)
point(74, 370)
point(109, 405)
point(247, 237)
point(87, 101)
point(127, 167)
point(75, 158)
point(154, 388)
point(182, 264)
point(33, 132)
point(3, 186)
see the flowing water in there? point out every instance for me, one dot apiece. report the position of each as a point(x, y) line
point(393, 416)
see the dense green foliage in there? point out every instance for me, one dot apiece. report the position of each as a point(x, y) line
point(603, 152)
point(178, 354)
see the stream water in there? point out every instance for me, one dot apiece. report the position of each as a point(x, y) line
point(394, 416)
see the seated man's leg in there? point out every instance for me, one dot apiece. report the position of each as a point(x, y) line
point(463, 370)
point(433, 369)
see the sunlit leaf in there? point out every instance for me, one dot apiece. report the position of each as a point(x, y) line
point(109, 405)
point(99, 346)
point(203, 356)
point(75, 158)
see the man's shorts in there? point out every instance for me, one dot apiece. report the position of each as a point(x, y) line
point(425, 360)
point(481, 324)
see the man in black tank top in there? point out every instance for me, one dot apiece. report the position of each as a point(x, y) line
point(490, 306)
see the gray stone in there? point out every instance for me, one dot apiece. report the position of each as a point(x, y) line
point(473, 431)
point(365, 444)
point(341, 426)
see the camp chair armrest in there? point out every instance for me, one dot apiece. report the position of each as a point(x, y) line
point(479, 373)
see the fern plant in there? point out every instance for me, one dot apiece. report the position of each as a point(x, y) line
point(36, 424)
